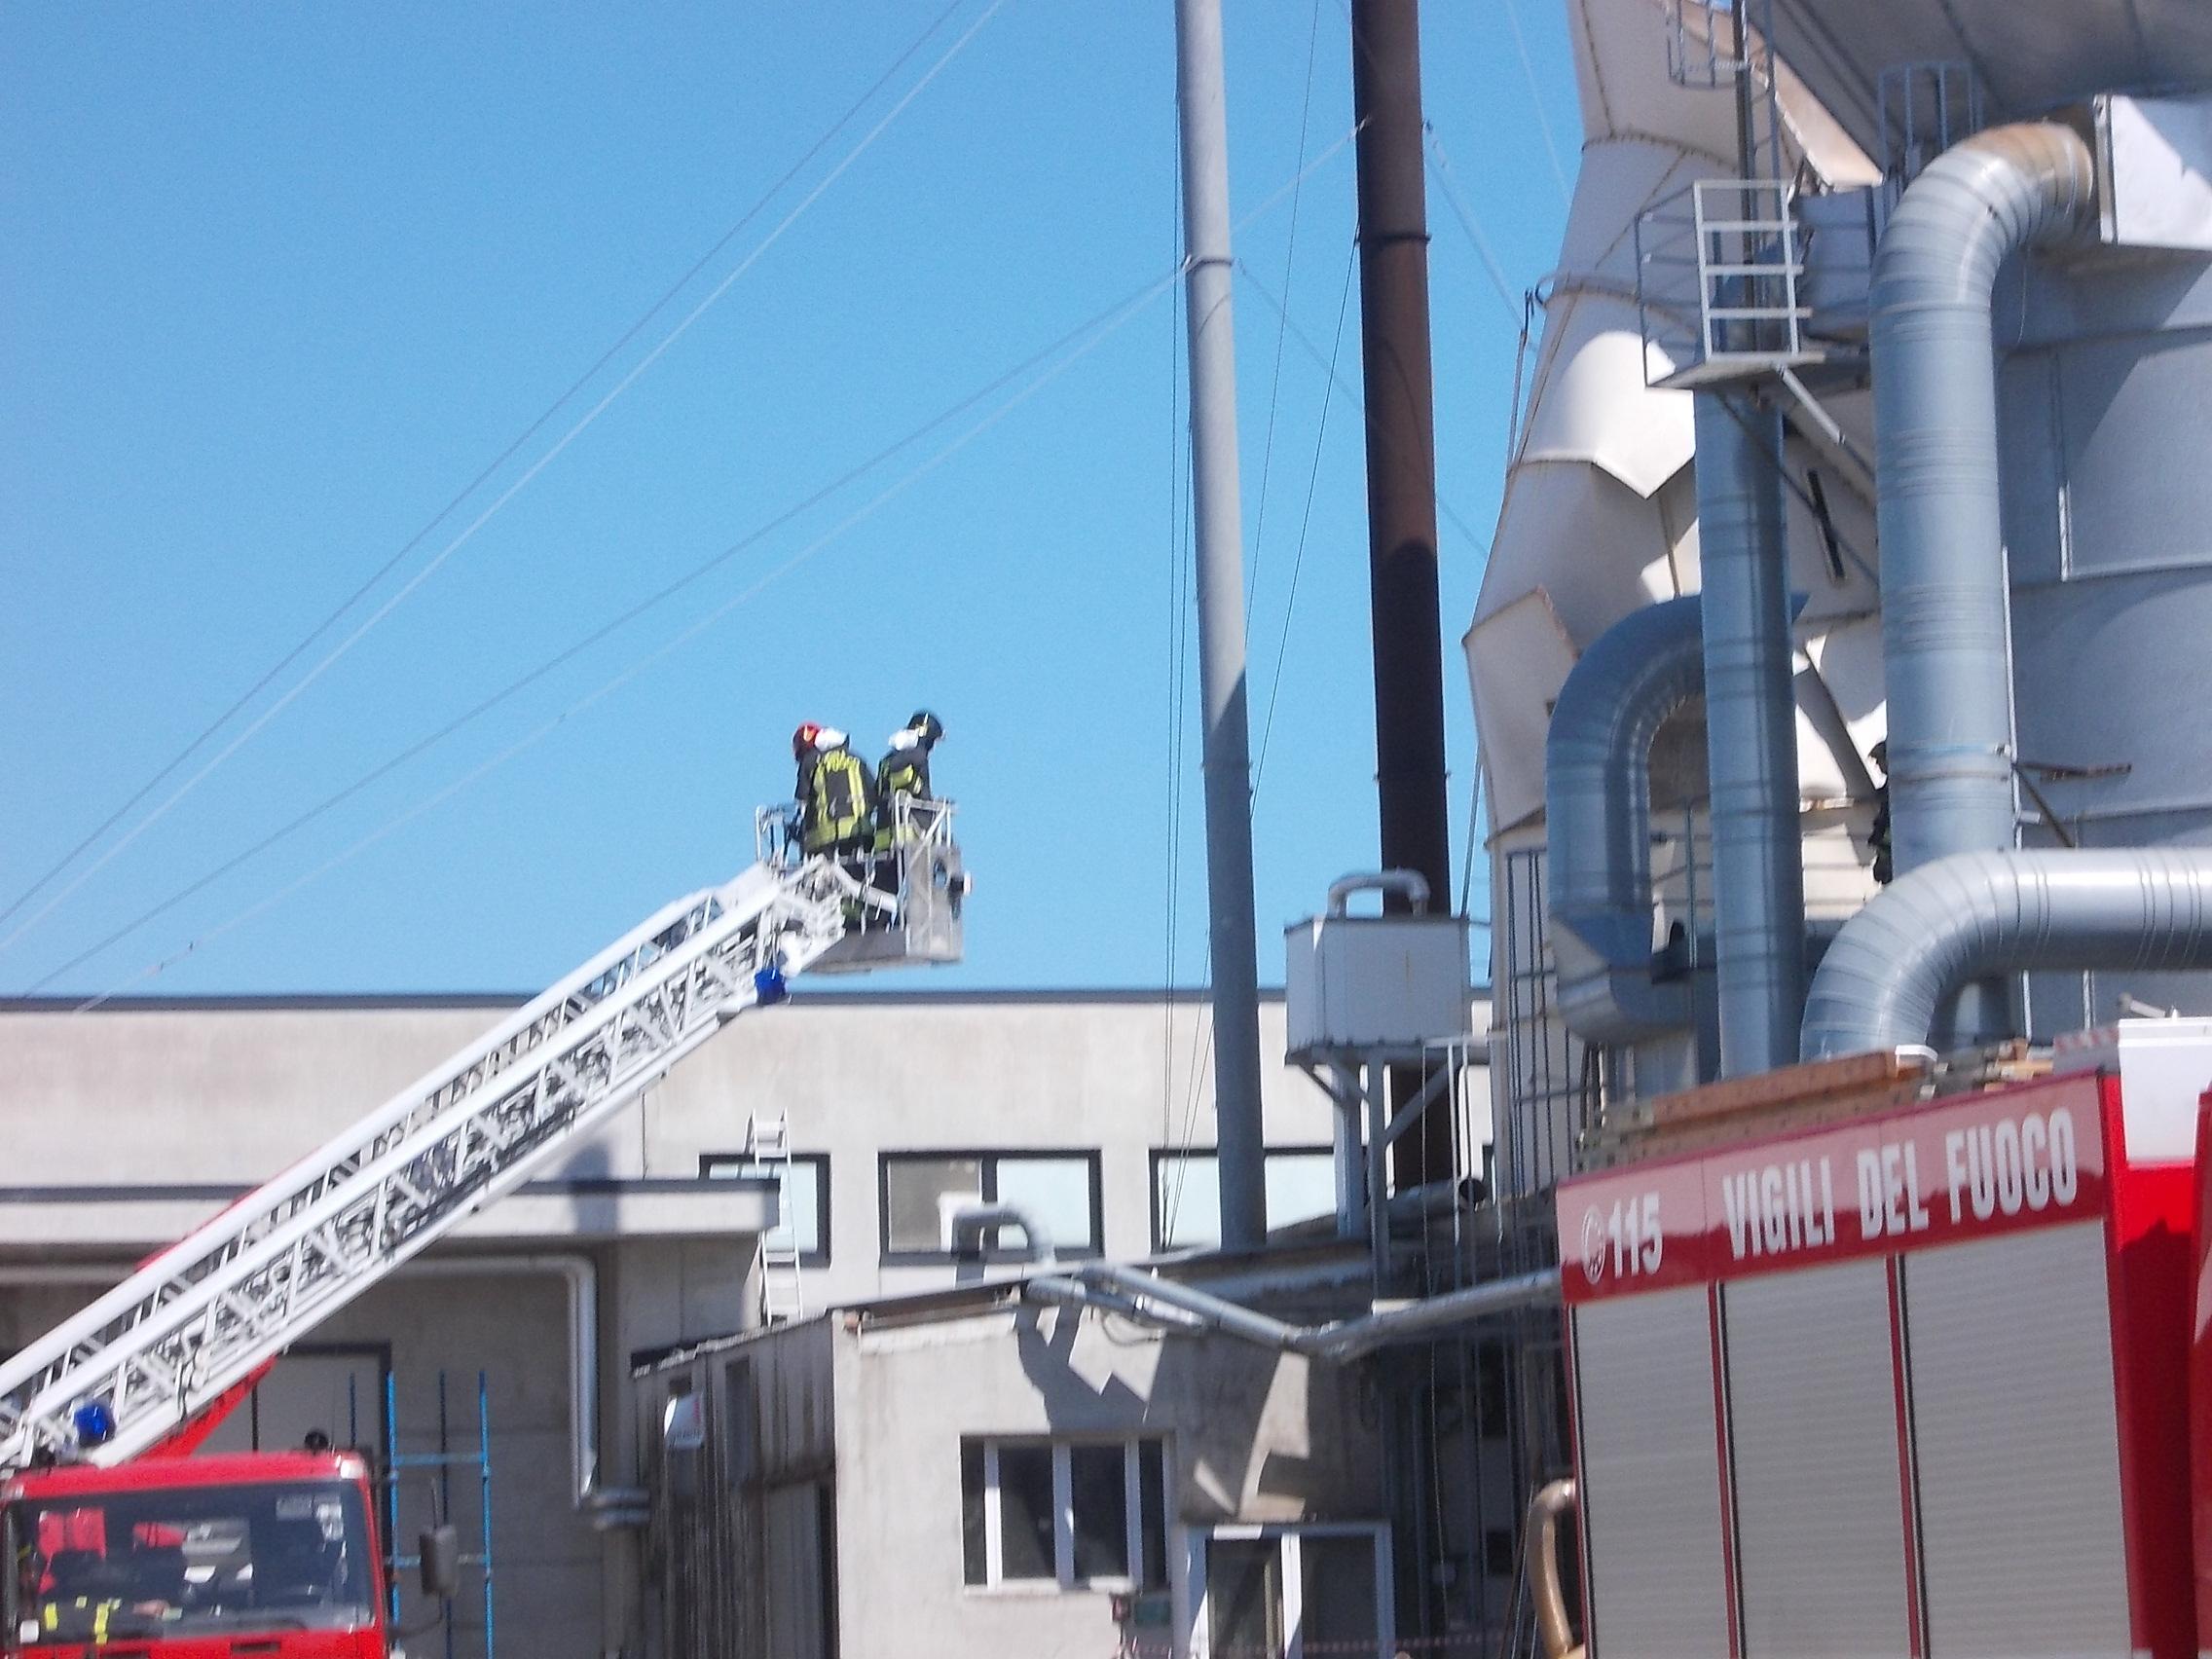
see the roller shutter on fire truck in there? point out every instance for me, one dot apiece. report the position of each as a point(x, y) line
point(1854, 1392)
point(1648, 1445)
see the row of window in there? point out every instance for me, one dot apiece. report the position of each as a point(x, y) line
point(1091, 1514)
point(1078, 1514)
point(918, 1191)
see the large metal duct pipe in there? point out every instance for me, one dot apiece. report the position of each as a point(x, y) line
point(1408, 884)
point(1944, 610)
point(1976, 914)
point(1598, 816)
point(1174, 1304)
point(972, 1223)
point(1750, 735)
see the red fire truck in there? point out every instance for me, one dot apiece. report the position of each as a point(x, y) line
point(202, 1558)
point(1912, 1382)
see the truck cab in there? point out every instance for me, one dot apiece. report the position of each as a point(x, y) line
point(194, 1558)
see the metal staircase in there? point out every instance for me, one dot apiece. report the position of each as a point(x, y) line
point(152, 1352)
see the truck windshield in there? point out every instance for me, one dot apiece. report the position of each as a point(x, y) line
point(189, 1561)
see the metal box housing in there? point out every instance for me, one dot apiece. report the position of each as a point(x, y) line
point(1369, 982)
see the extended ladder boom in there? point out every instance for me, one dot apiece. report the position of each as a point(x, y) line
point(198, 1318)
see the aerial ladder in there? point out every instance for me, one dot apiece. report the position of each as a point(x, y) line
point(205, 1316)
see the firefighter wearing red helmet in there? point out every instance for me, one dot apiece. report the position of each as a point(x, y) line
point(837, 797)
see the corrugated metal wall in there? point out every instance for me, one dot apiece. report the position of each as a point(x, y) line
point(742, 1548)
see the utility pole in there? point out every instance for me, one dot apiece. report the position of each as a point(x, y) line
point(1201, 102)
point(1401, 488)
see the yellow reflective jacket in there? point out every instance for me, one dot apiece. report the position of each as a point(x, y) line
point(836, 801)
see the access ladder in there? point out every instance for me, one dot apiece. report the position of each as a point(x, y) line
point(782, 1285)
point(198, 1319)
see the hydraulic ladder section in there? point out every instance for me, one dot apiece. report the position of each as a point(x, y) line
point(162, 1345)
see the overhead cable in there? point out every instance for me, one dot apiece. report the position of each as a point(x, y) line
point(575, 430)
point(1105, 319)
point(1306, 525)
point(1327, 367)
point(1104, 324)
point(1274, 378)
point(1447, 182)
point(1537, 99)
point(680, 638)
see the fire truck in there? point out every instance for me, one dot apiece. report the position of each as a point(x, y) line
point(202, 1558)
point(121, 1542)
point(1879, 1356)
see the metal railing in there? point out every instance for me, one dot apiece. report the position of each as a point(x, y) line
point(1719, 277)
point(1924, 108)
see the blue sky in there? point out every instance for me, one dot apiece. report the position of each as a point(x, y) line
point(277, 280)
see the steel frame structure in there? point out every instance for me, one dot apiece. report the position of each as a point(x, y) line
point(198, 1318)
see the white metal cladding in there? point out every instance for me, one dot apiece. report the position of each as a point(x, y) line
point(198, 1318)
point(2017, 1441)
point(1820, 1516)
point(1651, 1477)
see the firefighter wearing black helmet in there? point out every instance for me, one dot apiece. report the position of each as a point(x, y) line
point(904, 770)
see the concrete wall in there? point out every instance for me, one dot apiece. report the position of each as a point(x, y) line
point(1252, 1436)
point(128, 1125)
point(1120, 1075)
point(221, 1095)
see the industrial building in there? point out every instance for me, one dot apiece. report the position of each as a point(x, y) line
point(1088, 1108)
point(1835, 667)
point(1846, 787)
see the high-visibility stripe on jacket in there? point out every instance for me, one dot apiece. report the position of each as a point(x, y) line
point(901, 772)
point(838, 802)
point(904, 771)
point(50, 1615)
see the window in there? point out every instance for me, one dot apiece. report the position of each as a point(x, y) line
point(803, 1206)
point(189, 1565)
point(921, 1191)
point(1294, 1592)
point(1186, 1192)
point(1081, 1514)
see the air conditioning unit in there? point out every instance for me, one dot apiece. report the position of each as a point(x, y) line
point(1364, 984)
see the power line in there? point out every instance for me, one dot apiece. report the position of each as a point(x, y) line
point(1104, 323)
point(675, 642)
point(1312, 482)
point(575, 431)
point(1443, 507)
point(1448, 184)
point(1274, 379)
point(1536, 99)
point(578, 647)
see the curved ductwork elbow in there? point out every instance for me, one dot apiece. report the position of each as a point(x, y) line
point(1935, 371)
point(1408, 884)
point(1975, 916)
point(972, 1224)
point(1598, 816)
